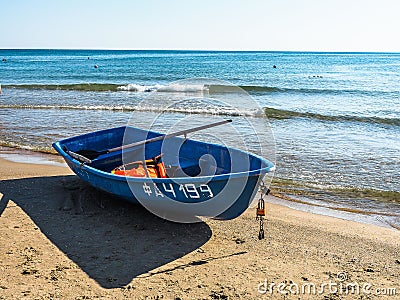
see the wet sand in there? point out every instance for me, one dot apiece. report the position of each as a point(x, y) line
point(61, 239)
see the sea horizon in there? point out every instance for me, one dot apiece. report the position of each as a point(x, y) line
point(204, 50)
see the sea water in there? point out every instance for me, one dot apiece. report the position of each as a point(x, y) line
point(335, 117)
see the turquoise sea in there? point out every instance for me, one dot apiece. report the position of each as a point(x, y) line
point(335, 117)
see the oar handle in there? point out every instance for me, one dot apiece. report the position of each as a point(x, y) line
point(167, 136)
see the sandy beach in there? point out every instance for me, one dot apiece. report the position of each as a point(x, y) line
point(60, 239)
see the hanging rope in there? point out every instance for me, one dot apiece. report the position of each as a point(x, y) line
point(260, 214)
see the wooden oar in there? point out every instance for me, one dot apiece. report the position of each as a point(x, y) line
point(88, 155)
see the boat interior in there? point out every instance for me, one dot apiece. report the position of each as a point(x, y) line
point(181, 157)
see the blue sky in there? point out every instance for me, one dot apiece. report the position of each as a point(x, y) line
point(293, 25)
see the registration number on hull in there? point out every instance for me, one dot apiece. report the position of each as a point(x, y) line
point(188, 190)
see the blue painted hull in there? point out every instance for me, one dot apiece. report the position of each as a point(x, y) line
point(225, 194)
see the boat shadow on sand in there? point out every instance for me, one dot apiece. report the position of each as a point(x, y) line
point(112, 241)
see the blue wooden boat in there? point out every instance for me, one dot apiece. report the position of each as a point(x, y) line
point(204, 179)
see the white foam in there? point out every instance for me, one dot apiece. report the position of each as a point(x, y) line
point(183, 88)
point(207, 110)
point(137, 88)
point(131, 87)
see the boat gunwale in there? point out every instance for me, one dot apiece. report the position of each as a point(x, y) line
point(270, 167)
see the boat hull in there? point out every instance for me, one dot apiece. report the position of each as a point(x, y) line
point(223, 195)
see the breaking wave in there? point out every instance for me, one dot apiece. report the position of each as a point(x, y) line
point(273, 113)
point(192, 88)
point(270, 113)
point(211, 110)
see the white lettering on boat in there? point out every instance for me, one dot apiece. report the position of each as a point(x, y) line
point(147, 189)
point(189, 190)
point(157, 191)
point(204, 188)
point(170, 190)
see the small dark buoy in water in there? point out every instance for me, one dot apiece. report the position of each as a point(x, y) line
point(88, 57)
point(96, 66)
point(274, 66)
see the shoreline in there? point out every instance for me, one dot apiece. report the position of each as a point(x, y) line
point(60, 239)
point(30, 157)
point(37, 158)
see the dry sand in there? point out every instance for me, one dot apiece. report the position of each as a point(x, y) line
point(60, 239)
